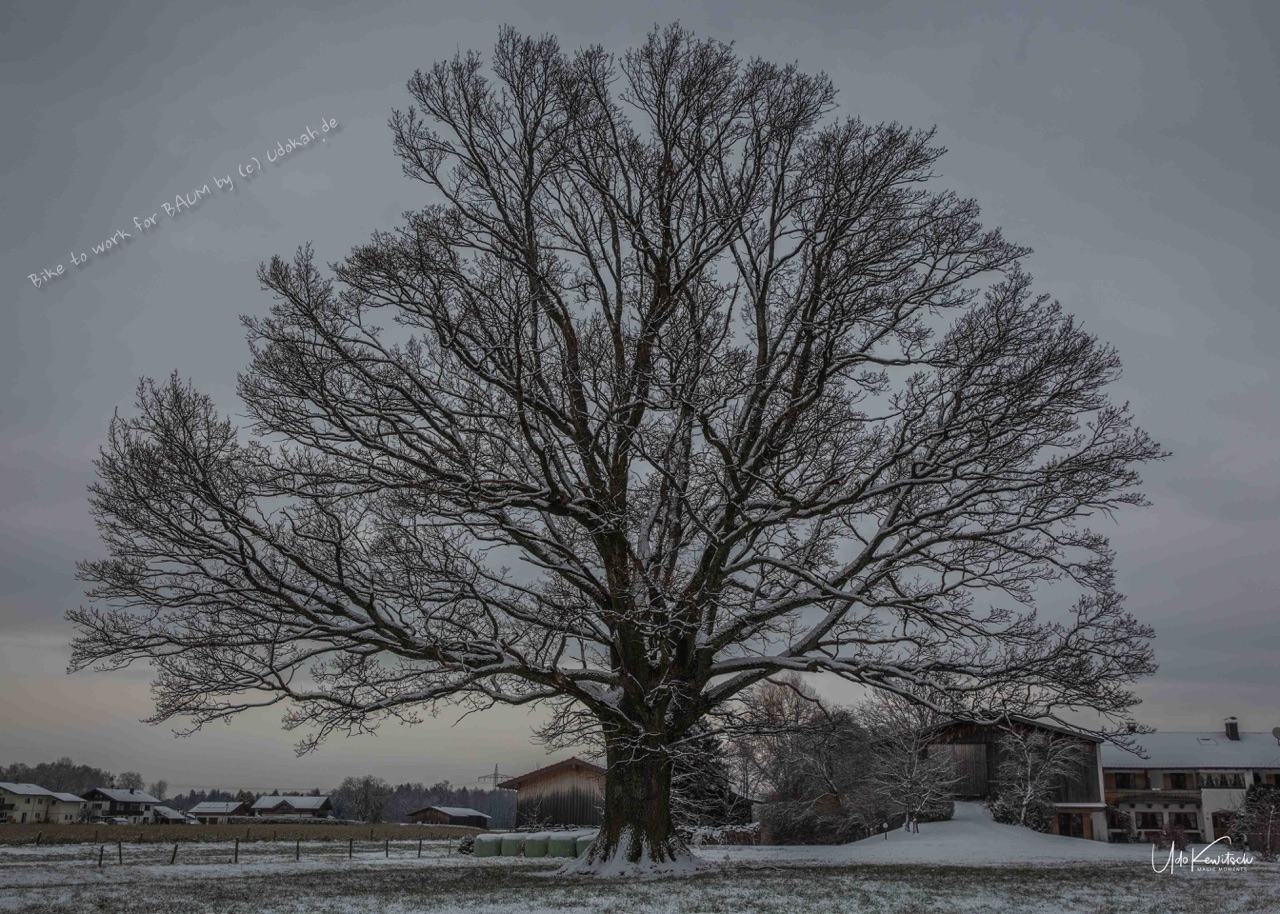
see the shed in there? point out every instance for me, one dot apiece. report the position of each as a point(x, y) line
point(165, 815)
point(566, 793)
point(450, 815)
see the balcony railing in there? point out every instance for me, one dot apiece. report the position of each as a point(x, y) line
point(1221, 781)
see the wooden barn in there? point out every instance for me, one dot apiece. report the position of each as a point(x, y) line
point(1081, 810)
point(569, 792)
point(449, 815)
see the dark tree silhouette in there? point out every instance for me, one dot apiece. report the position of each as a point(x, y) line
point(679, 382)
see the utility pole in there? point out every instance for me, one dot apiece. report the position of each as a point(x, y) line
point(495, 777)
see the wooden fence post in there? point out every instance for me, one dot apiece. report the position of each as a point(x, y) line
point(371, 834)
point(419, 848)
point(236, 854)
point(102, 849)
point(120, 851)
point(297, 850)
point(351, 843)
point(386, 847)
point(95, 836)
point(174, 858)
point(39, 835)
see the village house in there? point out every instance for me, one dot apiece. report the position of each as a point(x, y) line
point(1190, 779)
point(449, 815)
point(567, 793)
point(66, 807)
point(134, 806)
point(217, 813)
point(292, 807)
point(1079, 805)
point(24, 802)
point(33, 803)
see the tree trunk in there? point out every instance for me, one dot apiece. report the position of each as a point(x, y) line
point(637, 833)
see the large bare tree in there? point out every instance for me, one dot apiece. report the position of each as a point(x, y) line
point(678, 382)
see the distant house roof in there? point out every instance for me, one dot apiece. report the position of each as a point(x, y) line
point(1194, 749)
point(68, 798)
point(573, 762)
point(125, 795)
point(295, 802)
point(166, 812)
point(30, 790)
point(456, 811)
point(216, 808)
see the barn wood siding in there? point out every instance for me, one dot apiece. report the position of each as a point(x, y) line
point(1082, 788)
point(569, 796)
point(971, 768)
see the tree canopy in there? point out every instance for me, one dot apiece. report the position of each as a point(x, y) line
point(677, 381)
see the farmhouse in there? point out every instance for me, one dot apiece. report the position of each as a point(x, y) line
point(24, 802)
point(450, 815)
point(1081, 811)
point(294, 807)
point(1190, 778)
point(121, 803)
point(568, 792)
point(216, 813)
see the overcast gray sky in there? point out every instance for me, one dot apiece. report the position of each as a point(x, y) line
point(1133, 146)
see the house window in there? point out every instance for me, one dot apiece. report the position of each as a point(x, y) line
point(1149, 820)
point(1177, 780)
point(1126, 780)
point(1185, 819)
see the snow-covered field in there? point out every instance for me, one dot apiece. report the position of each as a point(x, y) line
point(967, 865)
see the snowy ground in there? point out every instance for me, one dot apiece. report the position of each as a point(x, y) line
point(968, 865)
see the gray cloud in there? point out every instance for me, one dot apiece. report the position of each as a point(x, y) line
point(1133, 147)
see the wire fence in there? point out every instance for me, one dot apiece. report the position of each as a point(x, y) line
point(262, 850)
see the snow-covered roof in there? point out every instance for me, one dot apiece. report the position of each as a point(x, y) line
point(166, 812)
point(67, 797)
point(458, 811)
point(295, 802)
point(573, 761)
point(28, 790)
point(216, 808)
point(1188, 749)
point(124, 795)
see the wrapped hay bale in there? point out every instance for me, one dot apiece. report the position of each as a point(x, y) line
point(488, 845)
point(563, 844)
point(512, 845)
point(535, 845)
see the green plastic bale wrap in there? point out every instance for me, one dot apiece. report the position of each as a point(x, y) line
point(584, 842)
point(563, 844)
point(489, 845)
point(535, 845)
point(512, 845)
